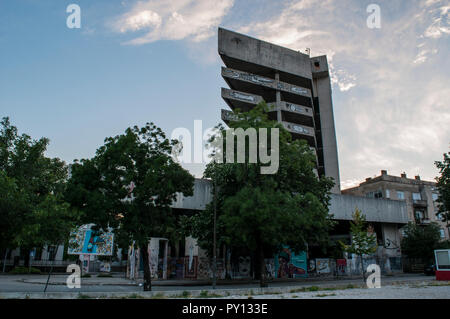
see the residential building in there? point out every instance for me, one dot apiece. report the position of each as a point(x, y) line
point(419, 196)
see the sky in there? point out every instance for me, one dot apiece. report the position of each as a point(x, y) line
point(133, 62)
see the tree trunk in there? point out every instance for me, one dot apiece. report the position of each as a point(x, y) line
point(262, 267)
point(147, 274)
point(362, 268)
point(26, 257)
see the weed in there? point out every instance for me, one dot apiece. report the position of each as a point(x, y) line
point(325, 295)
point(159, 295)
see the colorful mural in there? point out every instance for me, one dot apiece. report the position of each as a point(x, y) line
point(85, 241)
point(323, 266)
point(290, 265)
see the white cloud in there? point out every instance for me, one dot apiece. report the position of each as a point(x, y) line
point(195, 20)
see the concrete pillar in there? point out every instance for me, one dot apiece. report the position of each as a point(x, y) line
point(278, 95)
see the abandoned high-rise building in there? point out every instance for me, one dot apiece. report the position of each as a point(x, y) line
point(295, 85)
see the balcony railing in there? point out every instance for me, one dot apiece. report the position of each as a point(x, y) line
point(419, 203)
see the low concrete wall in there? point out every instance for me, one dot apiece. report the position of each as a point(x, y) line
point(375, 209)
point(341, 206)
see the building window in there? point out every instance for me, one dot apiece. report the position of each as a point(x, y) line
point(434, 196)
point(442, 233)
point(401, 195)
point(416, 196)
point(375, 194)
point(388, 193)
point(420, 216)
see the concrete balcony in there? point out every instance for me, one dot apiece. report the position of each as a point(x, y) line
point(296, 113)
point(420, 203)
point(301, 132)
point(265, 87)
point(423, 221)
point(227, 116)
point(241, 100)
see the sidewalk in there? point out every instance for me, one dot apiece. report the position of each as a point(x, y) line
point(120, 280)
point(242, 290)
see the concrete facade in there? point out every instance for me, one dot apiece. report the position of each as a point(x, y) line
point(419, 196)
point(295, 85)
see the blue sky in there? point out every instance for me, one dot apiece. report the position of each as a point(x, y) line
point(133, 62)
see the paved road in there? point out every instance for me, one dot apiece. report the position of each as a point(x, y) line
point(36, 283)
point(414, 291)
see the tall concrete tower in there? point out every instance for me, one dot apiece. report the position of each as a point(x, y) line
point(296, 85)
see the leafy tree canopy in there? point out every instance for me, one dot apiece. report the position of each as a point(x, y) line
point(263, 212)
point(420, 241)
point(129, 185)
point(33, 185)
point(443, 186)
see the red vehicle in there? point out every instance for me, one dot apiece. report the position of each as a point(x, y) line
point(442, 257)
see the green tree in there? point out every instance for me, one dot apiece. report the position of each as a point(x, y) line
point(420, 241)
point(35, 184)
point(443, 186)
point(363, 240)
point(263, 212)
point(129, 185)
point(12, 208)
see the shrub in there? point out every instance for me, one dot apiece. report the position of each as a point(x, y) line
point(24, 270)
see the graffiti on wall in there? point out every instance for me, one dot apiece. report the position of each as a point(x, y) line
point(85, 241)
point(270, 268)
point(190, 267)
point(290, 265)
point(241, 268)
point(175, 268)
point(323, 266)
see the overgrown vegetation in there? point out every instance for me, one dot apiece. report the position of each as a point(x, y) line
point(24, 270)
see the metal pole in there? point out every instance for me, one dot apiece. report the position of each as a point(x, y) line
point(51, 268)
point(214, 232)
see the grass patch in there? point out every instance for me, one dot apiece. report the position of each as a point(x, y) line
point(24, 271)
point(325, 295)
point(272, 293)
point(184, 294)
point(104, 275)
point(86, 276)
point(159, 295)
point(315, 288)
point(135, 296)
point(206, 294)
point(81, 296)
point(306, 289)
